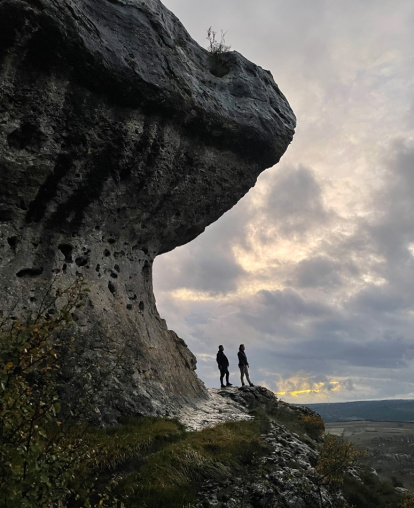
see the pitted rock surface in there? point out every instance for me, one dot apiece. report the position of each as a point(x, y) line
point(118, 142)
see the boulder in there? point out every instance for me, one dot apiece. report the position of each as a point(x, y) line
point(119, 141)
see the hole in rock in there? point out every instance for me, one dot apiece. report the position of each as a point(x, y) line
point(29, 272)
point(12, 241)
point(81, 261)
point(146, 269)
point(5, 215)
point(66, 250)
point(111, 287)
point(26, 136)
point(21, 205)
point(141, 306)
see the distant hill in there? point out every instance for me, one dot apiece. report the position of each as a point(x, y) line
point(371, 410)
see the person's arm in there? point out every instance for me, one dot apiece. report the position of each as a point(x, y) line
point(245, 362)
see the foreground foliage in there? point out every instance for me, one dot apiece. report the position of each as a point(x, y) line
point(40, 450)
point(336, 457)
point(157, 463)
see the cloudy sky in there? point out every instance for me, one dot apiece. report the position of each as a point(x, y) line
point(314, 269)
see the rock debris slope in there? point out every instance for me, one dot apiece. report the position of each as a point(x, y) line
point(284, 477)
point(120, 139)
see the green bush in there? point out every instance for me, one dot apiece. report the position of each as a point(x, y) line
point(40, 452)
point(335, 459)
point(314, 426)
point(371, 492)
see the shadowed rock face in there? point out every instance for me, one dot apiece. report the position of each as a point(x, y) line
point(119, 140)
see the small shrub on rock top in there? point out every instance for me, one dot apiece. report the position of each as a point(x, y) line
point(217, 47)
point(314, 425)
point(305, 424)
point(219, 65)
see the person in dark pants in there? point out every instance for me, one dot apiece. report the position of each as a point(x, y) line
point(223, 365)
point(244, 365)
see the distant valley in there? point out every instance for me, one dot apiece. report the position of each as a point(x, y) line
point(384, 428)
point(390, 447)
point(371, 410)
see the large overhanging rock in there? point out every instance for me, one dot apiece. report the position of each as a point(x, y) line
point(120, 139)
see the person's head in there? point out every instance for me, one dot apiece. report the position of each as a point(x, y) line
point(221, 348)
point(241, 347)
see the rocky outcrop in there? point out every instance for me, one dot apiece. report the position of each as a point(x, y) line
point(118, 143)
point(285, 475)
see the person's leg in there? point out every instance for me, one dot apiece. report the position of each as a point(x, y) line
point(227, 377)
point(242, 375)
point(221, 377)
point(247, 375)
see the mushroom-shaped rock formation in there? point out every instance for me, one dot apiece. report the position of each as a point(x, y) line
point(120, 139)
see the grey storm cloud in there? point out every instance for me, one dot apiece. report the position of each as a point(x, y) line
point(393, 231)
point(306, 333)
point(295, 201)
point(314, 268)
point(319, 271)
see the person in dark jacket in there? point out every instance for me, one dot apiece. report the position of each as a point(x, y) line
point(223, 365)
point(244, 365)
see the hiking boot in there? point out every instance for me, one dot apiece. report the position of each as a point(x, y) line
point(229, 384)
point(223, 386)
point(251, 384)
point(243, 384)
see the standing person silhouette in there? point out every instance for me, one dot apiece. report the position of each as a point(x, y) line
point(244, 365)
point(223, 365)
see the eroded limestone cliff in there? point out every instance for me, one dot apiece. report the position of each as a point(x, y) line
point(118, 142)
